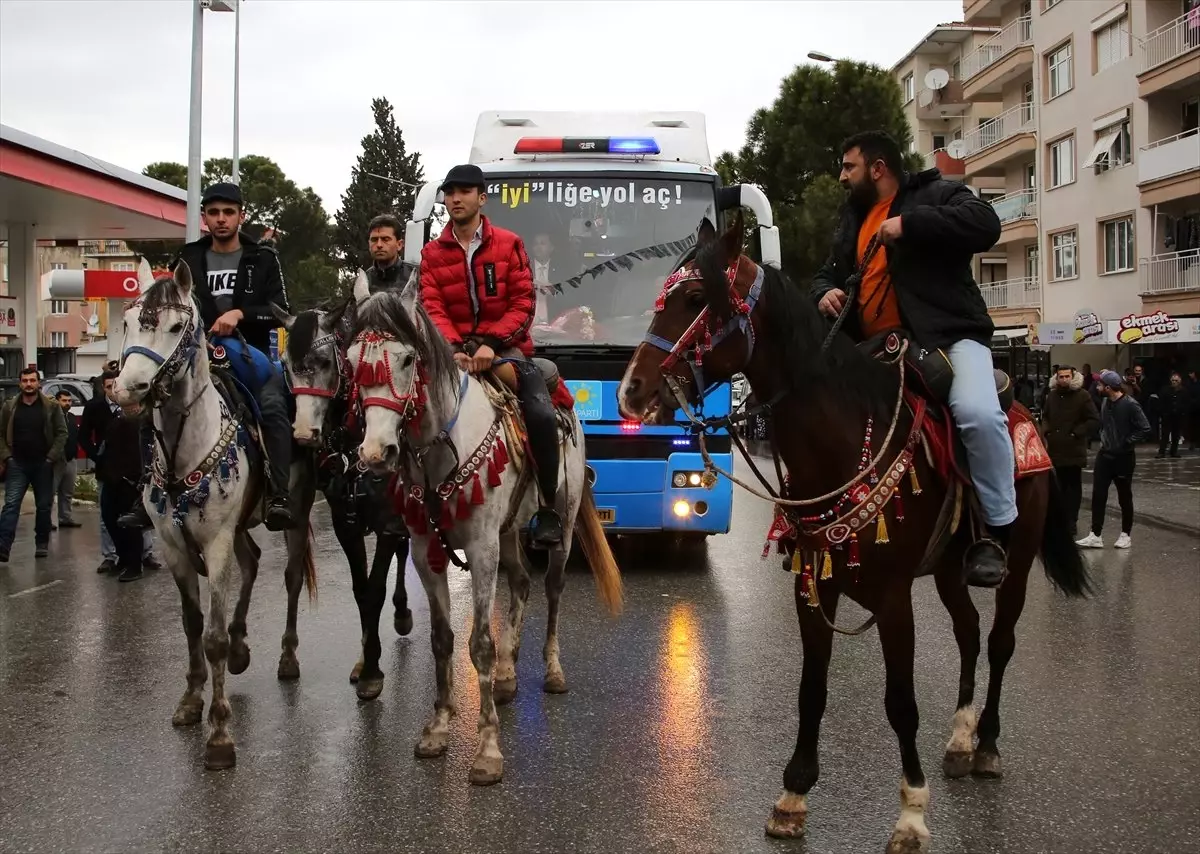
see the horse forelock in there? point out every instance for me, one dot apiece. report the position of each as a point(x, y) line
point(165, 293)
point(386, 312)
point(301, 336)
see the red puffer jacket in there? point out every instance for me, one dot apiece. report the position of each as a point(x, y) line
point(499, 310)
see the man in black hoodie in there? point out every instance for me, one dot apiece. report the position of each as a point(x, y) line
point(236, 281)
point(919, 278)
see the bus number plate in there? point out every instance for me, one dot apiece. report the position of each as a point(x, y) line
point(607, 515)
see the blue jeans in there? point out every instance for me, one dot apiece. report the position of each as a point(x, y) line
point(984, 428)
point(40, 476)
point(108, 549)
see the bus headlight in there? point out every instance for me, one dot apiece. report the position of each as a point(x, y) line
point(682, 509)
point(682, 479)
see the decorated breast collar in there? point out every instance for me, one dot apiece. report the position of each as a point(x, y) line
point(192, 490)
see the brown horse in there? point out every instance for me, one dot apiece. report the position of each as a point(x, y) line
point(829, 406)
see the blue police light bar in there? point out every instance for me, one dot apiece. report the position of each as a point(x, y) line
point(586, 145)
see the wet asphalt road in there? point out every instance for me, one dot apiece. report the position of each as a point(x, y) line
point(679, 721)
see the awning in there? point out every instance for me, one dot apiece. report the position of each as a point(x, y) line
point(1102, 149)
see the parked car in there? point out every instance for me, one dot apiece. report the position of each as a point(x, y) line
point(76, 385)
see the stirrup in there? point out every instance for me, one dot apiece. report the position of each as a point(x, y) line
point(976, 572)
point(545, 528)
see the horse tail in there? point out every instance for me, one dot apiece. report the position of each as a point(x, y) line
point(599, 556)
point(310, 566)
point(1061, 558)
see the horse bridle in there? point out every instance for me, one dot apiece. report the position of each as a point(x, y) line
point(333, 339)
point(183, 353)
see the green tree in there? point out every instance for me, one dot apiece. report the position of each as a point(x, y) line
point(175, 174)
point(793, 151)
point(384, 180)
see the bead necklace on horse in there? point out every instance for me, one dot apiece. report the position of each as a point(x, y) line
point(466, 485)
point(851, 436)
point(328, 423)
point(205, 491)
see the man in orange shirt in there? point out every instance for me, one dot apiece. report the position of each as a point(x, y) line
point(916, 235)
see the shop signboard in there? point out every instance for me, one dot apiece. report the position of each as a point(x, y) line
point(1089, 328)
point(1156, 328)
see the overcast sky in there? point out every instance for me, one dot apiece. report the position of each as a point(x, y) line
point(111, 77)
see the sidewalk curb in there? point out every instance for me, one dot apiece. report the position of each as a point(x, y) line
point(1147, 519)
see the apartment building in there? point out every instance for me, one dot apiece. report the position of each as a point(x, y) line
point(1078, 121)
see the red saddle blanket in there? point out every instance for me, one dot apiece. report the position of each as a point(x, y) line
point(1028, 447)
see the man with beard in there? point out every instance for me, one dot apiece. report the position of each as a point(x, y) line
point(903, 248)
point(477, 288)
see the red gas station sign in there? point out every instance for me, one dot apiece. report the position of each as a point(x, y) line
point(110, 284)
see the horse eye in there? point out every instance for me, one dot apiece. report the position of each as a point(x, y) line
point(323, 362)
point(408, 360)
point(695, 298)
point(176, 328)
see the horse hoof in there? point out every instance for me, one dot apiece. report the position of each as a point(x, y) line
point(487, 770)
point(987, 765)
point(786, 825)
point(555, 683)
point(187, 715)
point(908, 843)
point(220, 756)
point(503, 691)
point(289, 666)
point(239, 659)
point(403, 622)
point(369, 688)
point(957, 763)
point(356, 671)
point(431, 745)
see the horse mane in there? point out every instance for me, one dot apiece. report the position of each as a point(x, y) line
point(166, 292)
point(796, 331)
point(386, 312)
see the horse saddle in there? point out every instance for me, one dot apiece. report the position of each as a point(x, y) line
point(928, 372)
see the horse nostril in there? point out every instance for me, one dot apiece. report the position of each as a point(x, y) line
point(634, 384)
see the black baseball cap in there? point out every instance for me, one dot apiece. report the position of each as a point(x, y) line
point(222, 192)
point(466, 175)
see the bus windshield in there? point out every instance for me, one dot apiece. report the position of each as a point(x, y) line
point(600, 247)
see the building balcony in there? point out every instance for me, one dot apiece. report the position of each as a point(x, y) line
point(1003, 58)
point(1018, 217)
point(934, 104)
point(992, 145)
point(105, 248)
point(1169, 170)
point(952, 168)
point(1170, 273)
point(1170, 57)
point(982, 12)
point(1013, 301)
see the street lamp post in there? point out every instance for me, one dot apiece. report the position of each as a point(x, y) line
point(237, 62)
point(195, 165)
point(817, 56)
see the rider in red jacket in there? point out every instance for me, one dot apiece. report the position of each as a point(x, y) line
point(477, 287)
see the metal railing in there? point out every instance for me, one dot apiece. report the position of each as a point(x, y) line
point(1171, 156)
point(1170, 41)
point(1013, 293)
point(1017, 34)
point(104, 247)
point(1019, 119)
point(1019, 205)
point(1170, 272)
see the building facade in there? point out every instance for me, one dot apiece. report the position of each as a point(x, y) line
point(1078, 120)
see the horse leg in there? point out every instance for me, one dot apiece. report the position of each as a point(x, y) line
point(370, 681)
point(402, 622)
point(896, 636)
point(219, 751)
point(488, 767)
point(350, 538)
point(1002, 640)
point(556, 579)
point(960, 750)
point(244, 551)
point(512, 560)
point(293, 575)
point(437, 731)
point(191, 705)
point(791, 808)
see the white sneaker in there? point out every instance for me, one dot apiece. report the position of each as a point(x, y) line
point(1123, 541)
point(1091, 541)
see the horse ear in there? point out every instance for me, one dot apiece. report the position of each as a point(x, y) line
point(335, 315)
point(706, 233)
point(408, 296)
point(732, 238)
point(183, 276)
point(362, 286)
point(282, 316)
point(145, 275)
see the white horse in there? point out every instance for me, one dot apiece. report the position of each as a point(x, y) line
point(464, 490)
point(204, 493)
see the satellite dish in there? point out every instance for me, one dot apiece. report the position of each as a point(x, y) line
point(925, 98)
point(957, 149)
point(937, 78)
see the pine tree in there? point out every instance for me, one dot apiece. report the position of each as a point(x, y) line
point(384, 154)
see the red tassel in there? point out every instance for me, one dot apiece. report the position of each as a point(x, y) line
point(436, 555)
point(364, 375)
point(446, 522)
point(853, 561)
point(462, 509)
point(501, 453)
point(493, 472)
point(899, 499)
point(476, 490)
point(381, 372)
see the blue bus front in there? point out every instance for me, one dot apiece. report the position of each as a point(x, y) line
point(601, 243)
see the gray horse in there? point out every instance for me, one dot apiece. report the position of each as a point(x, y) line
point(464, 491)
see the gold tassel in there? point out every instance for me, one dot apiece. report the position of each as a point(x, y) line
point(827, 568)
point(912, 475)
point(881, 534)
point(797, 562)
point(813, 601)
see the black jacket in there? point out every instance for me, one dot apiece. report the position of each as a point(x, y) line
point(1122, 425)
point(391, 278)
point(71, 448)
point(943, 225)
point(259, 283)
